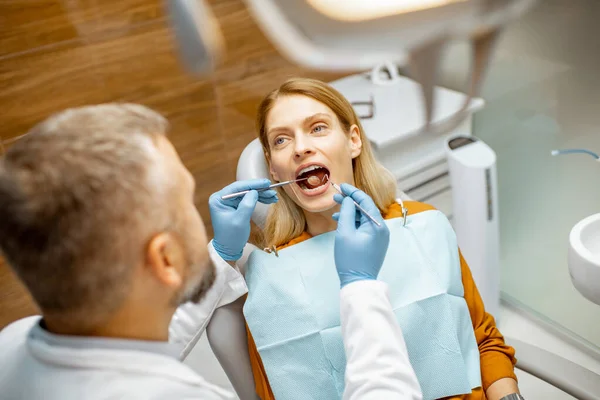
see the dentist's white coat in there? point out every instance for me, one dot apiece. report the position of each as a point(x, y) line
point(32, 368)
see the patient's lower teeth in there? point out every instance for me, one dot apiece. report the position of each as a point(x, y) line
point(310, 189)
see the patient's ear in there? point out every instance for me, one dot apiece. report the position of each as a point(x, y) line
point(355, 141)
point(165, 259)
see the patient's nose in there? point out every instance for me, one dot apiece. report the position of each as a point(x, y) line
point(303, 148)
point(304, 153)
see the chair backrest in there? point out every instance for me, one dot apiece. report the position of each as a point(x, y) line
point(252, 165)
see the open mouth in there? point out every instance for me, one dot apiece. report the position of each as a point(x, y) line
point(316, 178)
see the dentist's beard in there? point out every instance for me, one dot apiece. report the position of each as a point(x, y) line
point(195, 291)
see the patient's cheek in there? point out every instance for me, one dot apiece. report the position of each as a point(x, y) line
point(278, 173)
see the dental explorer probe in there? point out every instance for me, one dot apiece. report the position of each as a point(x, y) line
point(273, 186)
point(362, 210)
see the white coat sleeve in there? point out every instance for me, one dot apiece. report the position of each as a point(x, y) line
point(378, 366)
point(190, 320)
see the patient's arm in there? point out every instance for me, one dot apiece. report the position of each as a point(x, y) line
point(496, 357)
point(501, 388)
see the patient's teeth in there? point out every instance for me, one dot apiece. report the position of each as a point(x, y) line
point(310, 168)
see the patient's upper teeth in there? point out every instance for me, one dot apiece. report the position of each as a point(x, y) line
point(309, 168)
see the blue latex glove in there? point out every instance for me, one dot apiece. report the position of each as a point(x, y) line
point(360, 245)
point(231, 218)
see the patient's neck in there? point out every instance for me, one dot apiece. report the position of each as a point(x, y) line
point(322, 222)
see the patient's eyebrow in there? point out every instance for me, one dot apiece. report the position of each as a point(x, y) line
point(310, 119)
point(277, 129)
point(306, 121)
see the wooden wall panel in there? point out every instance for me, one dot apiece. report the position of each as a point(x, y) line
point(26, 25)
point(30, 24)
point(39, 83)
point(142, 67)
point(118, 16)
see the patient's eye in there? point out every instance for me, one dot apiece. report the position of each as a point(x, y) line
point(319, 128)
point(279, 141)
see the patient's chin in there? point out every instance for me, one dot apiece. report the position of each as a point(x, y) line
point(316, 205)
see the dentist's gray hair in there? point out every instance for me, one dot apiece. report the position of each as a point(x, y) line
point(80, 195)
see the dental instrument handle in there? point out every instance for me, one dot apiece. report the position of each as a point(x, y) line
point(362, 210)
point(275, 185)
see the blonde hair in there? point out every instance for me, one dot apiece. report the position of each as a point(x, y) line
point(286, 220)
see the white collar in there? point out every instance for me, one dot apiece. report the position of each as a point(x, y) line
point(128, 356)
point(38, 332)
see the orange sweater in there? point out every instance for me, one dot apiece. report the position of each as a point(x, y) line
point(497, 359)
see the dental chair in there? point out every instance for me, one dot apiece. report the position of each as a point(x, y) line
point(226, 330)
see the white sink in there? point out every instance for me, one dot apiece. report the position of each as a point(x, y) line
point(584, 257)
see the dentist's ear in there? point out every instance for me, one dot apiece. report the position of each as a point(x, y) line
point(355, 141)
point(165, 259)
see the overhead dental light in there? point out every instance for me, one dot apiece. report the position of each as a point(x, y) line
point(352, 35)
point(358, 10)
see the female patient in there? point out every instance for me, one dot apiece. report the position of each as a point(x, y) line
point(307, 128)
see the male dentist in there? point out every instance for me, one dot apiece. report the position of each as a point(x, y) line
point(97, 219)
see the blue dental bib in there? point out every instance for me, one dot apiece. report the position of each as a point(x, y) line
point(293, 312)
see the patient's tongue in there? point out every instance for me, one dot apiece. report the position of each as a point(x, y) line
point(316, 178)
point(313, 180)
